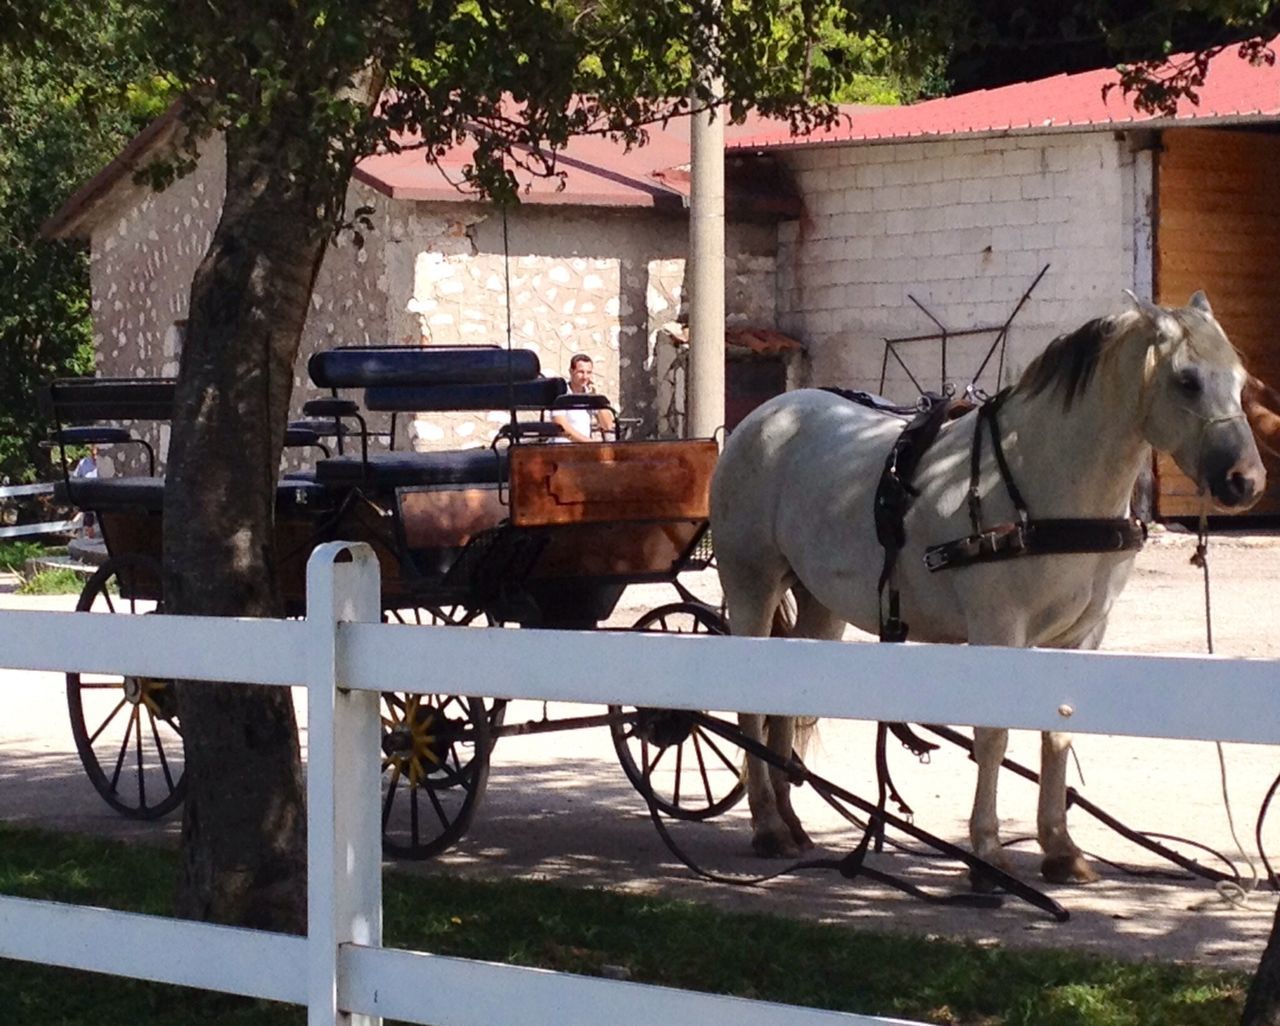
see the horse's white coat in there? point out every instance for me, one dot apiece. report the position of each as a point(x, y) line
point(791, 507)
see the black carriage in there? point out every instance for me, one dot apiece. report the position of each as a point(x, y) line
point(531, 531)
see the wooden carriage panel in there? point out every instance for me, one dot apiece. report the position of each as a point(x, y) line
point(448, 516)
point(604, 482)
point(1219, 230)
point(133, 532)
point(614, 550)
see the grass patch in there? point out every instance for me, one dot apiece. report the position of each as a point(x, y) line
point(657, 940)
point(60, 581)
point(14, 554)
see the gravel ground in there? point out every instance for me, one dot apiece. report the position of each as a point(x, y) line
point(559, 808)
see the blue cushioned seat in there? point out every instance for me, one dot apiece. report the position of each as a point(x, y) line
point(147, 494)
point(85, 399)
point(530, 395)
point(403, 469)
point(370, 366)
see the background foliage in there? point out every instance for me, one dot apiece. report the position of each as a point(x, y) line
point(60, 122)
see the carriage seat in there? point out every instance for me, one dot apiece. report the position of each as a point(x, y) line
point(396, 366)
point(536, 394)
point(112, 494)
point(407, 469)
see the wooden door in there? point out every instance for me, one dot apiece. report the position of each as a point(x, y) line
point(1219, 230)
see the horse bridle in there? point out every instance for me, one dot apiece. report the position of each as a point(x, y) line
point(1027, 536)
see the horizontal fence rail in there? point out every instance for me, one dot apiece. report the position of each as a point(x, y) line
point(24, 490)
point(469, 993)
point(222, 958)
point(1040, 689)
point(344, 657)
point(40, 527)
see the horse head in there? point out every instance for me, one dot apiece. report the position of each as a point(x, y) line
point(1192, 402)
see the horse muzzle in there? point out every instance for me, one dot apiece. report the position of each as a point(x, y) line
point(1232, 469)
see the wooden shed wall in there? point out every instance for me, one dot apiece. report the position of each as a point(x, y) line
point(1218, 229)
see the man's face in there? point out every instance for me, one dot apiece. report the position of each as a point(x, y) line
point(580, 376)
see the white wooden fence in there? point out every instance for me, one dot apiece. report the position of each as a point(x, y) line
point(345, 658)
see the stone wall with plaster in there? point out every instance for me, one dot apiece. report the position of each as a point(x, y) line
point(144, 252)
point(598, 281)
point(964, 226)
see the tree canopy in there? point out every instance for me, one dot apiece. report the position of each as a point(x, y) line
point(60, 121)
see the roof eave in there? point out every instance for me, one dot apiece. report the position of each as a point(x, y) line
point(74, 218)
point(1082, 127)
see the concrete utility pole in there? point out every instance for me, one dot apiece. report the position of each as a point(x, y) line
point(706, 271)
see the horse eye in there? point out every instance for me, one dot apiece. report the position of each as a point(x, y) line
point(1190, 383)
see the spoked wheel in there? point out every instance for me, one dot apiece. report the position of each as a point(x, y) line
point(435, 764)
point(685, 770)
point(126, 729)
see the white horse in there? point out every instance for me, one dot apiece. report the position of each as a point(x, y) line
point(792, 508)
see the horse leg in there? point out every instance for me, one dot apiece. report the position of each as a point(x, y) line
point(786, 734)
point(770, 835)
point(1063, 861)
point(791, 839)
point(753, 594)
point(989, 744)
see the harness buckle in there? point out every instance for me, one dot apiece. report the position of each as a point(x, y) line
point(936, 558)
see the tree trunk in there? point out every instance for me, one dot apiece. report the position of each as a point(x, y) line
point(244, 828)
point(1262, 1007)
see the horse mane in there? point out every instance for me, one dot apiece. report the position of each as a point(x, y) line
point(1068, 363)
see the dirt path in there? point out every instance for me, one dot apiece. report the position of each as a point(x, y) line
point(558, 807)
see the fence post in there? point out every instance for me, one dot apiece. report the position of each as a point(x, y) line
point(344, 828)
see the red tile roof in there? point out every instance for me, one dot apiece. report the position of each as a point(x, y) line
point(597, 171)
point(1234, 91)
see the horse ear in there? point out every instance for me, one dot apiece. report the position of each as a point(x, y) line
point(1158, 316)
point(1199, 301)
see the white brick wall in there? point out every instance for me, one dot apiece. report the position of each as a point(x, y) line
point(964, 226)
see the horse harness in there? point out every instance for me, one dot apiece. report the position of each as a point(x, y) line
point(1027, 536)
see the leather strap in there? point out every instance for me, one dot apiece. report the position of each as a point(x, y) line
point(894, 493)
point(1050, 536)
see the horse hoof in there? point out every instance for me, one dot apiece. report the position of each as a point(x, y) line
point(1067, 869)
point(982, 880)
point(772, 846)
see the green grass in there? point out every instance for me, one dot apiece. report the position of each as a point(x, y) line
point(62, 581)
point(657, 940)
point(14, 554)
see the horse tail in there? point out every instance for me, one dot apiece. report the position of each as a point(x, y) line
point(784, 617)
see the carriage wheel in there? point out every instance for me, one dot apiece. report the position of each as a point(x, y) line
point(435, 764)
point(680, 767)
point(126, 729)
